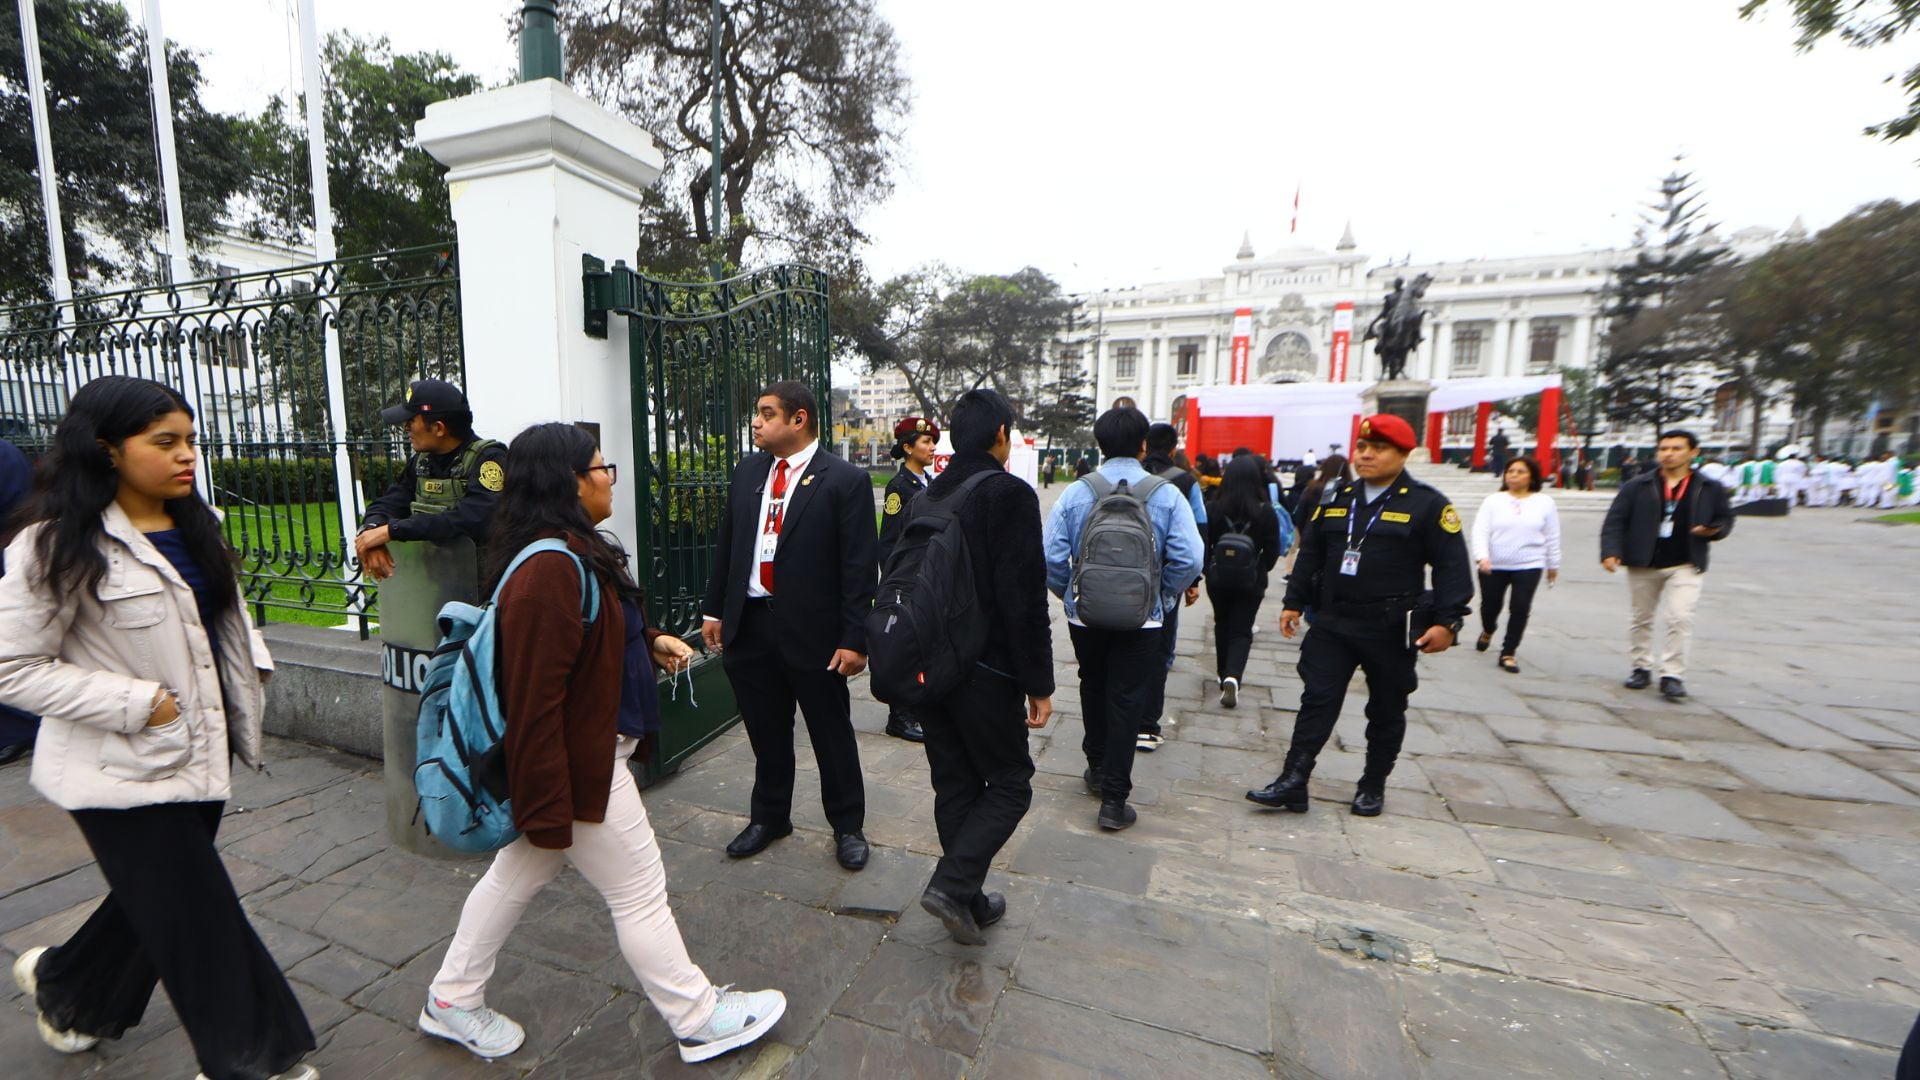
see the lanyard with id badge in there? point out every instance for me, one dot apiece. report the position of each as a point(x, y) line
point(1350, 558)
point(1672, 496)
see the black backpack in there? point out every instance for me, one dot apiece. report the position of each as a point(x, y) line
point(1235, 566)
point(927, 628)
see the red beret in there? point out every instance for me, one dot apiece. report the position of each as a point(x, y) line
point(1383, 427)
point(913, 427)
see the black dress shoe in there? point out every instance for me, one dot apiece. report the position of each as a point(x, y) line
point(1287, 792)
point(905, 727)
point(954, 915)
point(13, 752)
point(1485, 640)
point(1096, 784)
point(851, 849)
point(1368, 803)
point(1671, 688)
point(1115, 815)
point(755, 837)
point(1640, 679)
point(990, 909)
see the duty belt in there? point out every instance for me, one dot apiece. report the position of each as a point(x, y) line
point(1374, 610)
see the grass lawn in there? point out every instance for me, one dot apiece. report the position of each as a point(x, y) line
point(1909, 517)
point(280, 534)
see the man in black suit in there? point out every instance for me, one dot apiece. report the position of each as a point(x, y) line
point(795, 569)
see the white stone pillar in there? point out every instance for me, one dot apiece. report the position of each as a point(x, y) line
point(1521, 352)
point(539, 176)
point(1495, 361)
point(1582, 356)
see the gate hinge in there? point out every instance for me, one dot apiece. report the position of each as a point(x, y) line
point(606, 291)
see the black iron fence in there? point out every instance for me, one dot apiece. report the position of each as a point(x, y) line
point(701, 353)
point(250, 351)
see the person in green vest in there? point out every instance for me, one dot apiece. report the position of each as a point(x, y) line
point(1904, 485)
point(1767, 468)
point(450, 484)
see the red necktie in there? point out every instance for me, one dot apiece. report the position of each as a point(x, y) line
point(773, 519)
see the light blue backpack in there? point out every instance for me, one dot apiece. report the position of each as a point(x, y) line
point(462, 775)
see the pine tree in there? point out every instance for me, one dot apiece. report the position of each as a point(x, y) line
point(1657, 370)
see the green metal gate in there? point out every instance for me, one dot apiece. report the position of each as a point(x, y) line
point(701, 352)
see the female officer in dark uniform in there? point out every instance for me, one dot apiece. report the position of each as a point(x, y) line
point(913, 443)
point(1363, 568)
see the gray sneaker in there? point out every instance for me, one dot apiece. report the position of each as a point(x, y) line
point(737, 1020)
point(1229, 692)
point(483, 1031)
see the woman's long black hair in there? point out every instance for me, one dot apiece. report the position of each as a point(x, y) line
point(1333, 470)
point(542, 497)
point(1242, 497)
point(76, 482)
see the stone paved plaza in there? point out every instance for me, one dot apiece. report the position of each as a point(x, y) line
point(1571, 879)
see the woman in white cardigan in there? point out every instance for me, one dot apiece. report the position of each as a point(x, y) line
point(1516, 539)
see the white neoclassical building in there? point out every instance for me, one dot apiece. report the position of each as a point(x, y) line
point(1486, 318)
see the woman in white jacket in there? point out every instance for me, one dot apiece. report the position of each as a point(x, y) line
point(1516, 539)
point(122, 624)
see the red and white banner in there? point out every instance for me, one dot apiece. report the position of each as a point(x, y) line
point(1242, 344)
point(1342, 340)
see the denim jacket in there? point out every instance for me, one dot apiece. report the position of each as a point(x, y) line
point(1175, 534)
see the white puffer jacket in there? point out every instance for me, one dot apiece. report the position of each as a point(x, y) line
point(91, 666)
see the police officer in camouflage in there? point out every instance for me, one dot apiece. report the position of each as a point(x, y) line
point(1362, 569)
point(450, 484)
point(914, 440)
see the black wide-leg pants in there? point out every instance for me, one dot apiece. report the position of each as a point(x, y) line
point(173, 917)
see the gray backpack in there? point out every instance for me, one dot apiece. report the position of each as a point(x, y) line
point(1116, 571)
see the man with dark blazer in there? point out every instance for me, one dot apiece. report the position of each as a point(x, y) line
point(794, 573)
point(1660, 527)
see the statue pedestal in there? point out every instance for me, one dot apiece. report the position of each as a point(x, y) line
point(1404, 398)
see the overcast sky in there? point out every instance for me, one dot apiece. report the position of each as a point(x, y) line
point(1116, 142)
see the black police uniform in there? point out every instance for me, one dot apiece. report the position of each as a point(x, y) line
point(893, 511)
point(1361, 619)
point(893, 522)
point(468, 482)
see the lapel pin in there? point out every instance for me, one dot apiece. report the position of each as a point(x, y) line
point(805, 480)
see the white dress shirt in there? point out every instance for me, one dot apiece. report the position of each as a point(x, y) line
point(797, 463)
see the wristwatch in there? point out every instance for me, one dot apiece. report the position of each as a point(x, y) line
point(1455, 626)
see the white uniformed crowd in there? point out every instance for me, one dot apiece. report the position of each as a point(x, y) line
point(1814, 480)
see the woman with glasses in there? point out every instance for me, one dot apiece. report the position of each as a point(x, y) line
point(578, 699)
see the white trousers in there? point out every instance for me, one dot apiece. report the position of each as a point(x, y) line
point(621, 859)
point(1680, 587)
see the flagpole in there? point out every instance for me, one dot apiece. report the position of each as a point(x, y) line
point(348, 494)
point(43, 153)
point(169, 159)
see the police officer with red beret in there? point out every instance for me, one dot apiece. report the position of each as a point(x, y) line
point(914, 440)
point(1362, 570)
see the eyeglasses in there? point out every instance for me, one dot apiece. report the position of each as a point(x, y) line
point(612, 471)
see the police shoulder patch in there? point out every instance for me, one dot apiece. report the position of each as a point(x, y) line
point(492, 476)
point(893, 503)
point(1450, 519)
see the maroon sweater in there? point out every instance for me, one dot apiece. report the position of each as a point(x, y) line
point(561, 683)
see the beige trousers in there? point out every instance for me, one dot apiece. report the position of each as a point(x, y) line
point(621, 859)
point(1680, 587)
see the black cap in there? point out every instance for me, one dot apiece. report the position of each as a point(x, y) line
point(432, 398)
